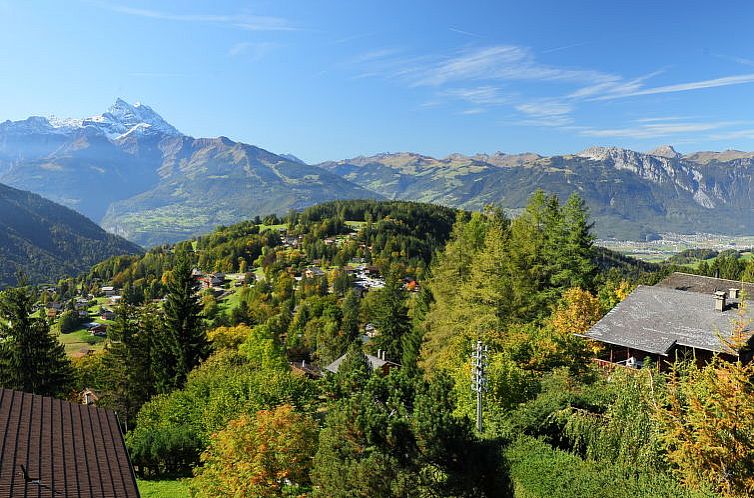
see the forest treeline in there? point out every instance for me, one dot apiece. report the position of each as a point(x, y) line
point(207, 392)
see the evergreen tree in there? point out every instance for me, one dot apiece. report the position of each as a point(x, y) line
point(350, 309)
point(577, 268)
point(130, 381)
point(412, 342)
point(391, 316)
point(183, 340)
point(31, 358)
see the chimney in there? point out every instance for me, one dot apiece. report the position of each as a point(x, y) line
point(720, 300)
point(733, 293)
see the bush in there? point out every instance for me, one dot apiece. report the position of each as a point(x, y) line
point(539, 471)
point(68, 322)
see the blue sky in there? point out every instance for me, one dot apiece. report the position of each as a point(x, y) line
point(335, 79)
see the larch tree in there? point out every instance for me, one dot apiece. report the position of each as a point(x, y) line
point(708, 426)
point(450, 272)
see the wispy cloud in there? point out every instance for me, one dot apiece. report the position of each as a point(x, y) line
point(463, 32)
point(499, 62)
point(476, 75)
point(481, 95)
point(733, 135)
point(545, 108)
point(373, 55)
point(654, 130)
point(252, 50)
point(243, 21)
point(683, 87)
point(733, 58)
point(659, 119)
point(564, 47)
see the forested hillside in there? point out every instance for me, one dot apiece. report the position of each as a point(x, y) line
point(47, 241)
point(327, 354)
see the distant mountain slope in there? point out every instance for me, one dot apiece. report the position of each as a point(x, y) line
point(209, 182)
point(139, 176)
point(47, 241)
point(631, 194)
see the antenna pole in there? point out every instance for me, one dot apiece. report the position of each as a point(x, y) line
point(478, 378)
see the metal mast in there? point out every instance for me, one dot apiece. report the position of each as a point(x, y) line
point(478, 378)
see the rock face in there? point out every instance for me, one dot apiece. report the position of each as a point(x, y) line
point(138, 176)
point(630, 194)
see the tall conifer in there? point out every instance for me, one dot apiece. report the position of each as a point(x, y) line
point(183, 342)
point(31, 358)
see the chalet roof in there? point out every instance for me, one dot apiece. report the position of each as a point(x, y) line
point(654, 319)
point(705, 285)
point(375, 363)
point(73, 450)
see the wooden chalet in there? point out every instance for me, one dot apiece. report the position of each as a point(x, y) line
point(684, 316)
point(377, 363)
point(51, 448)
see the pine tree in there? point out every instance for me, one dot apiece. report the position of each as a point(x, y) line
point(183, 341)
point(31, 358)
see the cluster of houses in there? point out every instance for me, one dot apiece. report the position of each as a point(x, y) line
point(684, 316)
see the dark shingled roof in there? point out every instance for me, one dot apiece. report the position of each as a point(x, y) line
point(375, 363)
point(70, 450)
point(654, 319)
point(705, 285)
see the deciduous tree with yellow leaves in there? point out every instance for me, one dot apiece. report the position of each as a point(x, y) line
point(258, 456)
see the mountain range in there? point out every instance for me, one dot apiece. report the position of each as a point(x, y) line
point(47, 241)
point(631, 195)
point(139, 177)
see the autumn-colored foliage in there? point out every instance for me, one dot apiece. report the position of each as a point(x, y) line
point(708, 422)
point(258, 456)
point(228, 337)
point(578, 311)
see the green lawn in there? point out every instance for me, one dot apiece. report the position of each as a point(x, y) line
point(74, 341)
point(231, 301)
point(77, 339)
point(356, 224)
point(163, 489)
point(263, 227)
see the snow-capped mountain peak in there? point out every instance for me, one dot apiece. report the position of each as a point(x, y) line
point(123, 118)
point(120, 120)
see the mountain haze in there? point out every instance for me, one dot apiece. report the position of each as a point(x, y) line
point(138, 176)
point(631, 194)
point(47, 241)
point(209, 182)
